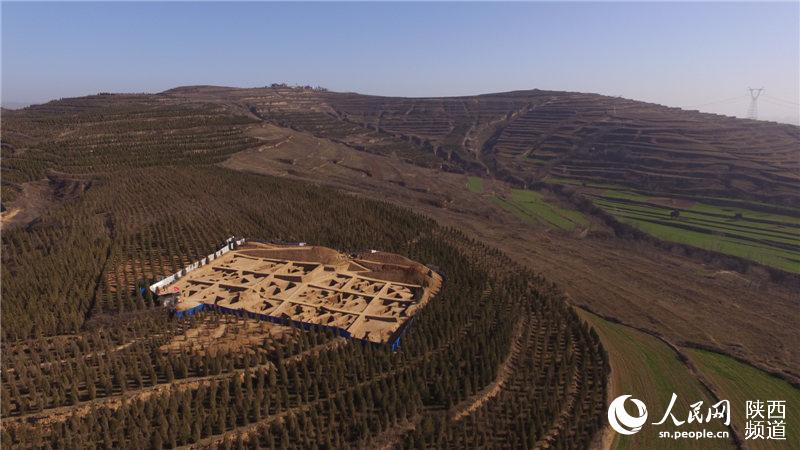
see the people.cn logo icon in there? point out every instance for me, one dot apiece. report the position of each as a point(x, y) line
point(621, 421)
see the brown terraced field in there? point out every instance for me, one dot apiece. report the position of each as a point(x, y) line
point(526, 136)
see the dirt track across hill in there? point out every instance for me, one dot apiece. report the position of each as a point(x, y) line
point(35, 198)
point(474, 403)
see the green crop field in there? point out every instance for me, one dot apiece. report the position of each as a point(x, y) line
point(770, 239)
point(475, 184)
point(532, 207)
point(739, 383)
point(767, 238)
point(649, 370)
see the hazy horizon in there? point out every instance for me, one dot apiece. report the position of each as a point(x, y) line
point(690, 55)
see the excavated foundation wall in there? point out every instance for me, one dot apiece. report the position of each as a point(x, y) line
point(387, 311)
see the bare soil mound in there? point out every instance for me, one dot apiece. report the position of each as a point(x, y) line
point(306, 253)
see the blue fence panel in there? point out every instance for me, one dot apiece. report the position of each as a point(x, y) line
point(188, 312)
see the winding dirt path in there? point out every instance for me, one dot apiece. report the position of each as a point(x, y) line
point(473, 403)
point(566, 413)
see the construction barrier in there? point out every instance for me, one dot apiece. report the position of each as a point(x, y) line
point(188, 312)
point(230, 245)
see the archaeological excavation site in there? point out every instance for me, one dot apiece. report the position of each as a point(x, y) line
point(371, 296)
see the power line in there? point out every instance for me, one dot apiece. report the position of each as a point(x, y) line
point(774, 103)
point(715, 102)
point(781, 100)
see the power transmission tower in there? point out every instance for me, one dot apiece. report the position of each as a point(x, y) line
point(752, 111)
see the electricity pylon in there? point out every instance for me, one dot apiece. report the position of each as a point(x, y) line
point(752, 111)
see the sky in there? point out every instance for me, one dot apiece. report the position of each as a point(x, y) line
point(695, 55)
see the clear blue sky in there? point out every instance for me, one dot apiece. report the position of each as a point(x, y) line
point(680, 54)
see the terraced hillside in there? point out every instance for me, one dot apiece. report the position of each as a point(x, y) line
point(522, 136)
point(533, 138)
point(526, 136)
point(91, 360)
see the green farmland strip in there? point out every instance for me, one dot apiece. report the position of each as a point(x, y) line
point(704, 203)
point(754, 221)
point(535, 203)
point(514, 209)
point(591, 184)
point(475, 185)
point(626, 195)
point(762, 254)
point(747, 230)
point(532, 207)
point(746, 213)
point(740, 382)
point(649, 370)
point(769, 239)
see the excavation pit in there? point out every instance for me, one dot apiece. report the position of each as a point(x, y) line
point(371, 296)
